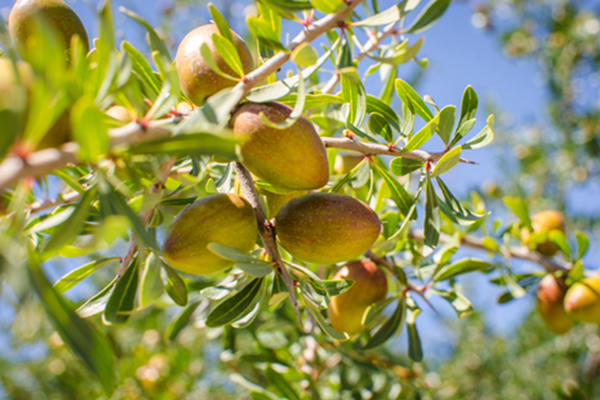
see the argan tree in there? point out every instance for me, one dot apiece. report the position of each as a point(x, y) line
point(296, 219)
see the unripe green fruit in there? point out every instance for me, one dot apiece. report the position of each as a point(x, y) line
point(347, 309)
point(198, 80)
point(56, 13)
point(582, 300)
point(275, 201)
point(120, 113)
point(292, 158)
point(226, 219)
point(327, 228)
point(550, 299)
point(344, 163)
point(545, 221)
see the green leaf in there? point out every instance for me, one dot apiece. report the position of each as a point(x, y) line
point(143, 69)
point(284, 387)
point(558, 238)
point(457, 300)
point(400, 196)
point(374, 311)
point(401, 56)
point(379, 125)
point(180, 320)
point(519, 207)
point(85, 340)
point(329, 6)
point(401, 166)
point(412, 100)
point(252, 387)
point(175, 286)
point(454, 209)
point(89, 129)
point(353, 92)
point(390, 327)
point(219, 292)
point(192, 144)
point(97, 303)
point(336, 287)
point(151, 286)
point(249, 316)
point(327, 329)
point(77, 275)
point(583, 244)
point(71, 227)
point(388, 16)
point(122, 300)
point(461, 267)
point(378, 106)
point(447, 162)
point(432, 217)
point(296, 112)
point(290, 5)
point(304, 55)
point(220, 22)
point(279, 290)
point(234, 307)
point(207, 55)
point(447, 117)
point(312, 100)
point(264, 33)
point(422, 136)
point(432, 12)
point(483, 138)
point(156, 43)
point(468, 109)
point(231, 254)
point(415, 351)
point(228, 53)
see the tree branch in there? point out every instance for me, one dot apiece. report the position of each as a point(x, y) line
point(267, 232)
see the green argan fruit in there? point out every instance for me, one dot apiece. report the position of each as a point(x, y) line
point(274, 201)
point(347, 309)
point(55, 13)
point(292, 158)
point(198, 80)
point(550, 298)
point(327, 228)
point(582, 300)
point(119, 113)
point(344, 163)
point(226, 219)
point(545, 221)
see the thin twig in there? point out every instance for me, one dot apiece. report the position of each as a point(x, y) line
point(267, 232)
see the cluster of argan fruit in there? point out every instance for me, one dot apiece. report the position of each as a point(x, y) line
point(559, 305)
point(315, 227)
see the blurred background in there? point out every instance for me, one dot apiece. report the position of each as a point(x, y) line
point(535, 64)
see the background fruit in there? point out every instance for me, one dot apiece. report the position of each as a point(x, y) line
point(119, 113)
point(198, 81)
point(56, 13)
point(327, 228)
point(550, 299)
point(346, 310)
point(274, 201)
point(582, 300)
point(226, 219)
point(545, 221)
point(344, 163)
point(292, 158)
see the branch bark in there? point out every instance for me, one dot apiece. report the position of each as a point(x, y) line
point(267, 232)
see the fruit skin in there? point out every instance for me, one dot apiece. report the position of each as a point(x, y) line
point(550, 297)
point(56, 13)
point(347, 309)
point(198, 81)
point(344, 163)
point(120, 113)
point(292, 158)
point(226, 219)
point(545, 221)
point(274, 201)
point(327, 228)
point(582, 300)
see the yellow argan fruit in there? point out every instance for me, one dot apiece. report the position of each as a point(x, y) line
point(347, 309)
point(327, 228)
point(55, 13)
point(275, 201)
point(120, 113)
point(344, 163)
point(550, 298)
point(198, 80)
point(292, 158)
point(226, 219)
point(545, 221)
point(582, 300)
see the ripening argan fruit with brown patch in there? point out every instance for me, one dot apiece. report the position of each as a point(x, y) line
point(226, 219)
point(347, 309)
point(327, 228)
point(292, 158)
point(198, 80)
point(55, 13)
point(545, 221)
point(550, 301)
point(582, 300)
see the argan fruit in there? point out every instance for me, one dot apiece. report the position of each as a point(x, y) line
point(347, 309)
point(550, 298)
point(327, 228)
point(274, 201)
point(582, 300)
point(545, 221)
point(226, 219)
point(292, 158)
point(344, 163)
point(55, 13)
point(120, 113)
point(184, 108)
point(198, 80)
